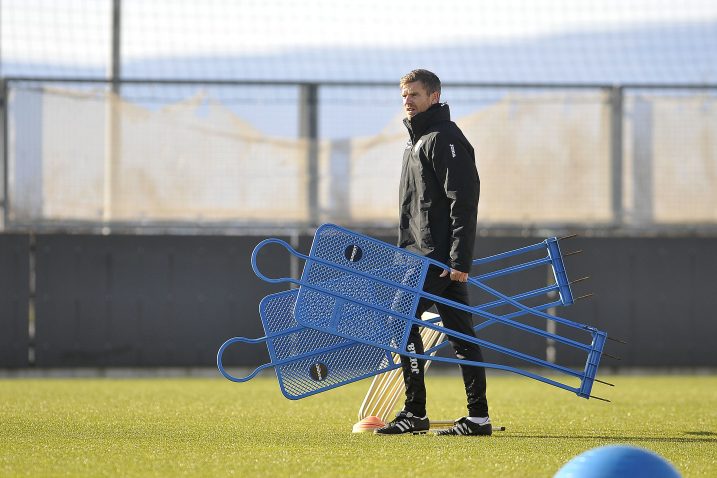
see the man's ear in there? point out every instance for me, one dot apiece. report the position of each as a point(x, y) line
point(435, 97)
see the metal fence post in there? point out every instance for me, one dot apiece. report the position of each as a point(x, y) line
point(113, 133)
point(309, 130)
point(642, 163)
point(616, 159)
point(4, 153)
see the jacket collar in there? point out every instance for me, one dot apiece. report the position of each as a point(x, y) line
point(419, 124)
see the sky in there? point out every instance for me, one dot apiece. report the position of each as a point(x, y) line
point(513, 41)
point(77, 32)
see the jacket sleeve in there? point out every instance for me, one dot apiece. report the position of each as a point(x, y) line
point(456, 170)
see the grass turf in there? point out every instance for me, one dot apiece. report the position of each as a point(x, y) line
point(210, 427)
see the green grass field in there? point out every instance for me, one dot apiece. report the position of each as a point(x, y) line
point(212, 427)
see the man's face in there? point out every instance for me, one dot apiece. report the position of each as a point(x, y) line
point(416, 99)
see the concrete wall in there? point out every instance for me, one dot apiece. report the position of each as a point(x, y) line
point(14, 300)
point(171, 301)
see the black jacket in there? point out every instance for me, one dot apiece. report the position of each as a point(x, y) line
point(439, 190)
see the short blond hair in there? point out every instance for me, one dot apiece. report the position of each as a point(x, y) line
point(429, 80)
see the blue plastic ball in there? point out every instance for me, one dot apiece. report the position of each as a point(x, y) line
point(618, 461)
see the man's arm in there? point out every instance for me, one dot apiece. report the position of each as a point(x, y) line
point(456, 171)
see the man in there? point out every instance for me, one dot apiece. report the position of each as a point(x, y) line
point(438, 212)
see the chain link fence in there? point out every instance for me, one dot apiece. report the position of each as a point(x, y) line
point(161, 155)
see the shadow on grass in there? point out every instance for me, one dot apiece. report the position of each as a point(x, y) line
point(621, 438)
point(704, 434)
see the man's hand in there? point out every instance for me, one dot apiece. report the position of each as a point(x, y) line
point(457, 276)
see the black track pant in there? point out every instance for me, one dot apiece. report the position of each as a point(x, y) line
point(454, 319)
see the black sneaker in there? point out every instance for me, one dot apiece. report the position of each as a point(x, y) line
point(405, 422)
point(463, 426)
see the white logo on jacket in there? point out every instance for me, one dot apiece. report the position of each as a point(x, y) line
point(453, 150)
